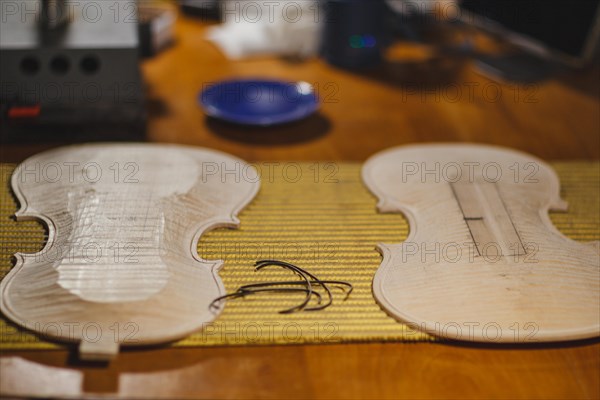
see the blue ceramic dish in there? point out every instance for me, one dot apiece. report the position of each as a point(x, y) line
point(259, 102)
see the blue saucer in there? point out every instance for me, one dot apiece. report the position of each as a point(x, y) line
point(259, 102)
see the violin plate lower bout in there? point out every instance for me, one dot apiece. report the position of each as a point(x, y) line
point(483, 261)
point(121, 265)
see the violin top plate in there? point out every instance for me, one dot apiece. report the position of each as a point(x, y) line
point(121, 265)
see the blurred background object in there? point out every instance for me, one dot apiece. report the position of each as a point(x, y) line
point(156, 26)
point(71, 70)
point(66, 65)
point(354, 33)
point(259, 102)
point(543, 32)
point(250, 28)
point(205, 9)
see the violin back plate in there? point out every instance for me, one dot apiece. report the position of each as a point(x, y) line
point(121, 266)
point(483, 261)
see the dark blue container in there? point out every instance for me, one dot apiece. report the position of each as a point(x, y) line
point(353, 33)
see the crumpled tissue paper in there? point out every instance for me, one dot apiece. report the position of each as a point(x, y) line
point(290, 28)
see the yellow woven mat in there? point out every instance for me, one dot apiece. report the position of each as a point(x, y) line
point(321, 217)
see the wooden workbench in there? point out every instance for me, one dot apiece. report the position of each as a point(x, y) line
point(425, 99)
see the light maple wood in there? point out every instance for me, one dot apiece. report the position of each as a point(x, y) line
point(483, 261)
point(121, 265)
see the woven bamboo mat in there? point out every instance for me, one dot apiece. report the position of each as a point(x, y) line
point(321, 217)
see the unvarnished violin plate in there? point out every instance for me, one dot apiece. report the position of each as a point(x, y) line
point(121, 266)
point(482, 261)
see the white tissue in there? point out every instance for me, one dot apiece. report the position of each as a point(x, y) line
point(284, 27)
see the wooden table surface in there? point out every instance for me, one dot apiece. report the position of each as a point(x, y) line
point(418, 97)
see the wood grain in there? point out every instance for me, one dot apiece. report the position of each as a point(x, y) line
point(557, 119)
point(121, 266)
point(373, 371)
point(483, 261)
